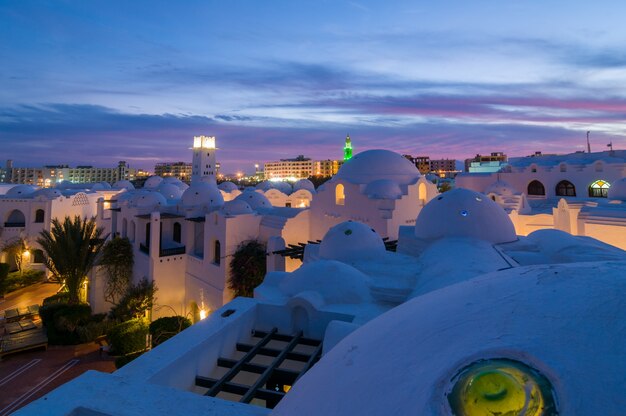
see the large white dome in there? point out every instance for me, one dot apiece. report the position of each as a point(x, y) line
point(351, 241)
point(264, 186)
point(48, 193)
point(123, 184)
point(149, 200)
point(202, 195)
point(254, 199)
point(152, 182)
point(378, 164)
point(304, 184)
point(464, 213)
point(618, 190)
point(236, 207)
point(383, 189)
point(283, 187)
point(565, 322)
point(170, 191)
point(21, 191)
point(227, 187)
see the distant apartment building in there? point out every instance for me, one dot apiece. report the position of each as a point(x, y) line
point(180, 170)
point(444, 168)
point(49, 175)
point(486, 163)
point(421, 162)
point(300, 168)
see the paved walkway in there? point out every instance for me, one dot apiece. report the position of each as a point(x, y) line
point(30, 295)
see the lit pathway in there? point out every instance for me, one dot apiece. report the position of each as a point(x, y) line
point(27, 296)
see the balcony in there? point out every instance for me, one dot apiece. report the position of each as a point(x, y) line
point(144, 248)
point(14, 224)
point(164, 252)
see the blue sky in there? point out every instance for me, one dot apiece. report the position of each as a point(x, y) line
point(101, 81)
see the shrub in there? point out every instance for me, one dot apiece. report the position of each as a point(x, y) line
point(62, 321)
point(93, 329)
point(165, 328)
point(68, 318)
point(247, 268)
point(122, 360)
point(138, 299)
point(128, 337)
point(4, 274)
point(61, 297)
point(17, 280)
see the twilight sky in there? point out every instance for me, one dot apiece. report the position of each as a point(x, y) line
point(97, 81)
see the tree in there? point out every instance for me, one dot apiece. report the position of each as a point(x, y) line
point(15, 249)
point(72, 248)
point(247, 268)
point(117, 260)
point(136, 301)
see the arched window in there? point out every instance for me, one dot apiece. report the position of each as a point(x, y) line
point(217, 248)
point(599, 189)
point(38, 256)
point(565, 188)
point(16, 219)
point(421, 191)
point(39, 214)
point(124, 228)
point(340, 197)
point(177, 232)
point(536, 188)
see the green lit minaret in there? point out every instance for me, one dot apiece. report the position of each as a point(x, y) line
point(347, 149)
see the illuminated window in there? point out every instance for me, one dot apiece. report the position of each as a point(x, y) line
point(501, 387)
point(340, 197)
point(599, 189)
point(536, 188)
point(565, 188)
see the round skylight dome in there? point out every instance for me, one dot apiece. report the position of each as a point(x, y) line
point(236, 207)
point(152, 182)
point(227, 187)
point(500, 188)
point(383, 189)
point(464, 213)
point(254, 199)
point(170, 191)
point(470, 341)
point(100, 186)
point(378, 164)
point(21, 190)
point(202, 195)
point(283, 187)
point(350, 241)
point(304, 184)
point(618, 190)
point(123, 185)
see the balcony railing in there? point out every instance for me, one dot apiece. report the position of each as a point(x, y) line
point(144, 248)
point(164, 252)
point(14, 224)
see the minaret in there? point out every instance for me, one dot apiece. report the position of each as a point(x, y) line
point(347, 149)
point(203, 159)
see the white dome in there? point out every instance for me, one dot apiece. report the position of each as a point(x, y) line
point(65, 184)
point(100, 186)
point(202, 195)
point(351, 241)
point(170, 191)
point(227, 187)
point(383, 189)
point(283, 187)
point(500, 188)
point(152, 182)
point(48, 193)
point(335, 282)
point(124, 185)
point(464, 213)
point(149, 200)
point(255, 199)
point(264, 186)
point(236, 207)
point(304, 184)
point(21, 190)
point(378, 164)
point(565, 322)
point(171, 179)
point(618, 190)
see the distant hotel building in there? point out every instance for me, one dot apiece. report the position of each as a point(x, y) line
point(49, 175)
point(484, 163)
point(180, 170)
point(303, 167)
point(444, 168)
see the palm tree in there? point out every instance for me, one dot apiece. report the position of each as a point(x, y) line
point(71, 248)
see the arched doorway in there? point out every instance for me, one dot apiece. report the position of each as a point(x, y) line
point(340, 196)
point(16, 219)
point(565, 188)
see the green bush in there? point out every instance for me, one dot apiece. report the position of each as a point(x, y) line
point(67, 319)
point(128, 337)
point(4, 274)
point(165, 328)
point(93, 329)
point(122, 360)
point(61, 297)
point(62, 321)
point(138, 299)
point(17, 280)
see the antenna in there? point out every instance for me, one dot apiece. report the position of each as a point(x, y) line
point(588, 145)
